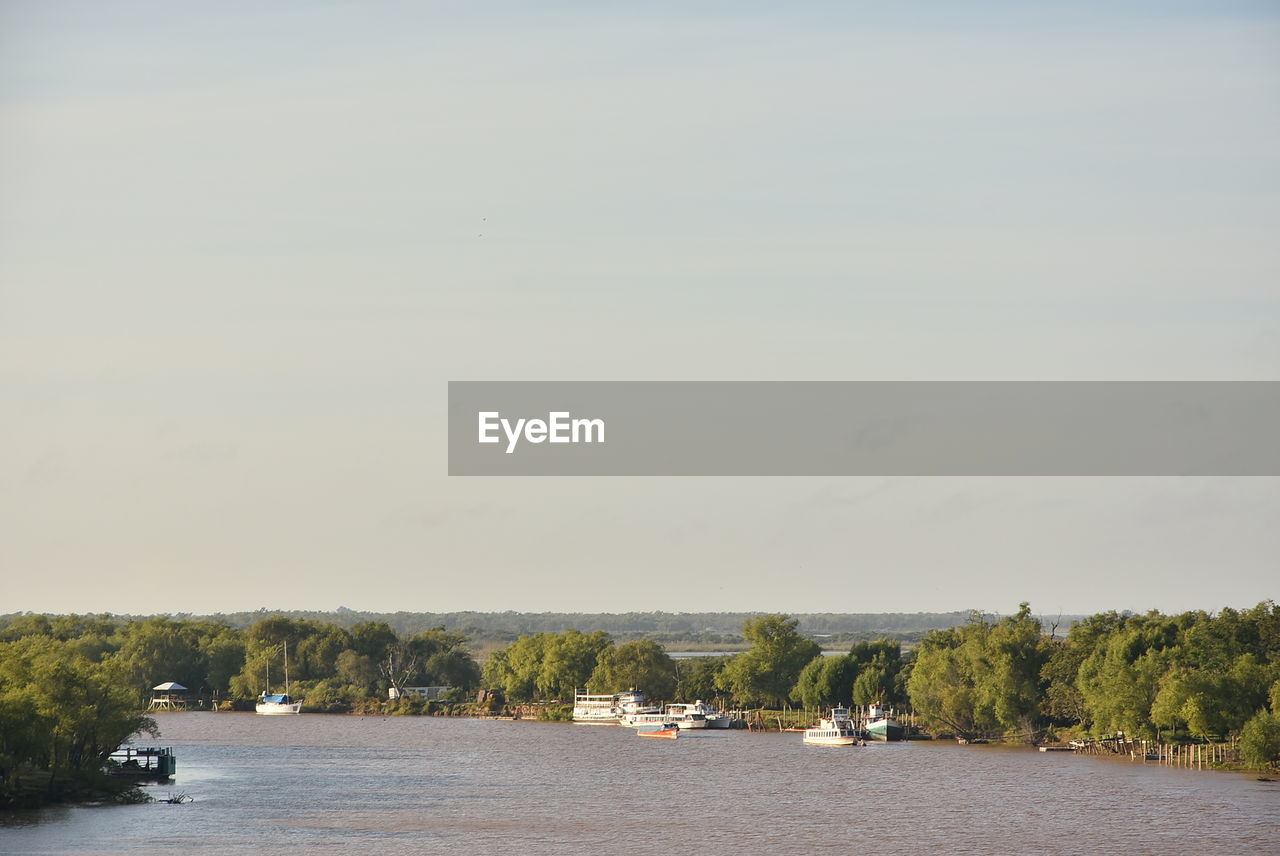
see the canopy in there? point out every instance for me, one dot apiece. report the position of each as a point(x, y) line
point(169, 685)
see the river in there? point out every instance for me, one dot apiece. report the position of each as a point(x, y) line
point(411, 785)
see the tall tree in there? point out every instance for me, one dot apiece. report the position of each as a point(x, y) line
point(767, 672)
point(641, 665)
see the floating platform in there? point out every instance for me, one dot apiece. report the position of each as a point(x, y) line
point(150, 763)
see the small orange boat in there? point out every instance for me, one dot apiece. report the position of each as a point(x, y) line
point(668, 730)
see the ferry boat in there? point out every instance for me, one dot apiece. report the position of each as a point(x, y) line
point(881, 724)
point(634, 710)
point(283, 703)
point(837, 730)
point(594, 709)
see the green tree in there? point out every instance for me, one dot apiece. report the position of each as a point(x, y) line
point(943, 684)
point(697, 677)
point(60, 713)
point(159, 649)
point(1260, 740)
point(372, 639)
point(767, 672)
point(315, 656)
point(444, 659)
point(545, 665)
point(641, 664)
point(826, 682)
point(1015, 654)
point(879, 667)
point(223, 654)
point(357, 670)
point(569, 660)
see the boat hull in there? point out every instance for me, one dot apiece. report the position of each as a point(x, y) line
point(272, 709)
point(884, 729)
point(848, 740)
point(669, 732)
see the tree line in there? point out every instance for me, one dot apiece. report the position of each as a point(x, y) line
point(692, 628)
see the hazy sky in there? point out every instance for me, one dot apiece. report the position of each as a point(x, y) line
point(244, 246)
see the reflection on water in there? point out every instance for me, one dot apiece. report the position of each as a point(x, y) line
point(339, 784)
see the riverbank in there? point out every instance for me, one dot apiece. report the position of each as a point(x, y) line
point(40, 788)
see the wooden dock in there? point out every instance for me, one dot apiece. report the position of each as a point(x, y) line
point(1194, 756)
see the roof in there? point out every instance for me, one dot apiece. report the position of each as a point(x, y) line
point(169, 685)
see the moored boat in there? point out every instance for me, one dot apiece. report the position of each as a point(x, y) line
point(276, 704)
point(686, 715)
point(594, 709)
point(715, 718)
point(836, 730)
point(634, 710)
point(881, 724)
point(282, 703)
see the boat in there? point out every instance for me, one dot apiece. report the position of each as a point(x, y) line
point(836, 730)
point(594, 709)
point(881, 725)
point(715, 718)
point(686, 715)
point(271, 705)
point(634, 711)
point(276, 704)
point(669, 730)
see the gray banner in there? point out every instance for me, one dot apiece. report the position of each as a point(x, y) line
point(819, 428)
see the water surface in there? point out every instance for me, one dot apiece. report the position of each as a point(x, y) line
point(411, 785)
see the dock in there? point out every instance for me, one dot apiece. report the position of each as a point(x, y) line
point(1186, 755)
point(151, 763)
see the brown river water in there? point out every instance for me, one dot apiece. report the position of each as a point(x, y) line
point(411, 785)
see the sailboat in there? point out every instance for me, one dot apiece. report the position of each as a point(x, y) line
point(278, 704)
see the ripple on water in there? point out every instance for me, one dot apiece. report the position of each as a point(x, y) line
point(343, 784)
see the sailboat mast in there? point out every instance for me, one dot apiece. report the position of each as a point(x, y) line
point(286, 667)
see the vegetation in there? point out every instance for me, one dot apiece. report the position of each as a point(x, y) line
point(61, 716)
point(767, 673)
point(702, 631)
point(982, 677)
point(73, 687)
point(870, 672)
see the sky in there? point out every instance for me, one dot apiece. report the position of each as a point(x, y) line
point(245, 246)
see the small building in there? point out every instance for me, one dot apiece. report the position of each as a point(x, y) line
point(170, 695)
point(425, 693)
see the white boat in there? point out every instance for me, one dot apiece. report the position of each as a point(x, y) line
point(837, 730)
point(634, 710)
point(687, 715)
point(274, 705)
point(715, 718)
point(596, 709)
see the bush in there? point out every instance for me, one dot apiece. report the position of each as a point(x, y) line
point(1260, 740)
point(555, 713)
